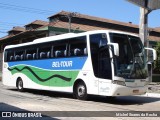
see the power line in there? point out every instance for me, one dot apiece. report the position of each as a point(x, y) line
point(3, 32)
point(4, 26)
point(3, 29)
point(10, 23)
point(7, 26)
point(24, 9)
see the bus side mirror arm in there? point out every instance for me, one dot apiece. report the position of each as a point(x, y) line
point(115, 47)
point(153, 51)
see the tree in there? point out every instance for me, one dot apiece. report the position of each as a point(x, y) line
point(157, 62)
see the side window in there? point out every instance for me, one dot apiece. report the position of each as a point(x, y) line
point(100, 57)
point(16, 54)
point(104, 67)
point(98, 40)
point(44, 51)
point(31, 53)
point(19, 55)
point(9, 55)
point(78, 46)
point(60, 50)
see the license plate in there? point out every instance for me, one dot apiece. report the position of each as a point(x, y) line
point(135, 91)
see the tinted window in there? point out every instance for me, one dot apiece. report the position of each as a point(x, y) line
point(55, 49)
point(100, 56)
point(78, 46)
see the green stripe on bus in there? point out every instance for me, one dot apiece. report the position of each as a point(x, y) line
point(46, 77)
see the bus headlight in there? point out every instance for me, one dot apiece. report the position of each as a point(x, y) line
point(119, 82)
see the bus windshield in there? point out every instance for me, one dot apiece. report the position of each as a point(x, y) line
point(131, 62)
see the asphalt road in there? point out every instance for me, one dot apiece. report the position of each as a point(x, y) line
point(53, 105)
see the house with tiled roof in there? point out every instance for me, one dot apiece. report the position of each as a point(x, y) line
point(59, 23)
point(16, 30)
point(83, 22)
point(35, 24)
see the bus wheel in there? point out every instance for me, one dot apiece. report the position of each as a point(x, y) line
point(20, 85)
point(81, 91)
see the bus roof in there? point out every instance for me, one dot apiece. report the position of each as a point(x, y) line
point(65, 36)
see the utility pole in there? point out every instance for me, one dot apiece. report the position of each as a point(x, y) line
point(69, 16)
point(146, 6)
point(143, 26)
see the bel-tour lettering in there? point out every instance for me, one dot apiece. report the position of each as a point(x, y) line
point(62, 64)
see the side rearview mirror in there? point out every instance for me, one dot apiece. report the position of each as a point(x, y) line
point(153, 53)
point(115, 47)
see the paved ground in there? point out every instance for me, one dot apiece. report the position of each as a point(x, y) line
point(0, 76)
point(154, 88)
point(61, 104)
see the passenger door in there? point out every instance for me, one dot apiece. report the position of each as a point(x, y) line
point(104, 71)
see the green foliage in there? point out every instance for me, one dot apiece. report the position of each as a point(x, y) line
point(157, 62)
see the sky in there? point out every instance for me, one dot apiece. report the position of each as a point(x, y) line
point(21, 12)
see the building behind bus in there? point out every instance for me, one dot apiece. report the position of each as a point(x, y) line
point(58, 24)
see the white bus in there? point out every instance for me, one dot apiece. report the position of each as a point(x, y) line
point(107, 63)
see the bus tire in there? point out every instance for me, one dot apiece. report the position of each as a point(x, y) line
point(20, 85)
point(81, 91)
